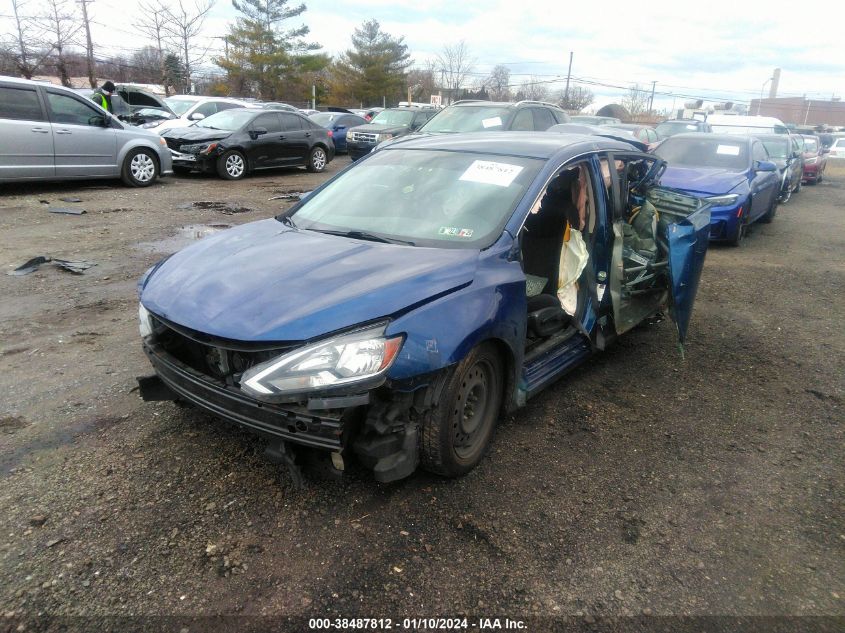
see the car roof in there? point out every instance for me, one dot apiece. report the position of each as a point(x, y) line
point(733, 138)
point(774, 137)
point(527, 144)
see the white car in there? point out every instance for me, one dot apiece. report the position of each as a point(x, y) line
point(837, 150)
point(191, 108)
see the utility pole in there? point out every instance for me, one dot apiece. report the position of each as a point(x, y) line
point(568, 76)
point(651, 98)
point(89, 48)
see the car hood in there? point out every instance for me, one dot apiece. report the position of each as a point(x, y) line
point(264, 281)
point(196, 134)
point(701, 179)
point(372, 128)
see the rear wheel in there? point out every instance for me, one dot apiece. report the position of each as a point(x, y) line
point(317, 159)
point(231, 165)
point(456, 434)
point(140, 168)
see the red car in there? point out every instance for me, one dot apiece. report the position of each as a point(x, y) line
point(815, 159)
point(644, 133)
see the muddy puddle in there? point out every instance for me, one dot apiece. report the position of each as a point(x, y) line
point(184, 236)
point(226, 208)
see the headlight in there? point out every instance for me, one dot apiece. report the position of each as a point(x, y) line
point(145, 323)
point(342, 360)
point(151, 124)
point(723, 201)
point(812, 161)
point(383, 137)
point(198, 148)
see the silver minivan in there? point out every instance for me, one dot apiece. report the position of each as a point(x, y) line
point(52, 133)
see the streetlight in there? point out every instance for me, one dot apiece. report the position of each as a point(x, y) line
point(760, 102)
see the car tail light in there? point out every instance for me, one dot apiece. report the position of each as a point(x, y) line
point(331, 134)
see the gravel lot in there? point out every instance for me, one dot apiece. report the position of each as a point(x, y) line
point(643, 483)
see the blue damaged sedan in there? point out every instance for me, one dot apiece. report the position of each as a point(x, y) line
point(733, 173)
point(393, 315)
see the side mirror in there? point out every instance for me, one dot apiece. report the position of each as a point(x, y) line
point(825, 150)
point(258, 131)
point(765, 165)
point(197, 116)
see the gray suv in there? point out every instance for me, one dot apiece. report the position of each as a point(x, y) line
point(52, 133)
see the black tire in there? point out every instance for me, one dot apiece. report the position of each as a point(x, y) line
point(770, 214)
point(456, 434)
point(232, 165)
point(797, 187)
point(140, 168)
point(741, 230)
point(317, 159)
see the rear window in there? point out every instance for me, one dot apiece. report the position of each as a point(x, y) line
point(469, 119)
point(704, 152)
point(20, 103)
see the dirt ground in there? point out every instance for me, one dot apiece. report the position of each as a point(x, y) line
point(642, 484)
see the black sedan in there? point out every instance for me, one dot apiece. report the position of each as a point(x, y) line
point(235, 142)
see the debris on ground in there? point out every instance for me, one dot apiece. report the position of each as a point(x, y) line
point(226, 208)
point(30, 266)
point(67, 210)
point(292, 195)
point(71, 199)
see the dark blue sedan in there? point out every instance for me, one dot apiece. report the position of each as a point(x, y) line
point(339, 123)
point(733, 173)
point(397, 312)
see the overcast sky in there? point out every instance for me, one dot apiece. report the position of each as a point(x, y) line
point(723, 50)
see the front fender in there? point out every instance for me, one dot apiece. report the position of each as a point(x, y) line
point(492, 307)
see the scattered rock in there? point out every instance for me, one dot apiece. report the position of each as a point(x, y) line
point(38, 520)
point(55, 541)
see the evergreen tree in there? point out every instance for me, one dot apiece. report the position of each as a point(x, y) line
point(376, 66)
point(264, 56)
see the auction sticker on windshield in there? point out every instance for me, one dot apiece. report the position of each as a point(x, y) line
point(495, 121)
point(491, 173)
point(729, 150)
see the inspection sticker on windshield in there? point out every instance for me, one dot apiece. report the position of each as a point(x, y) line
point(495, 121)
point(729, 150)
point(454, 231)
point(491, 173)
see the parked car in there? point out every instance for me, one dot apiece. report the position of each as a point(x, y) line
point(588, 119)
point(386, 125)
point(739, 124)
point(491, 116)
point(784, 152)
point(236, 142)
point(398, 311)
point(52, 133)
point(367, 113)
point(275, 105)
point(308, 111)
point(815, 159)
point(732, 172)
point(339, 123)
point(644, 133)
point(605, 131)
point(837, 148)
point(190, 108)
point(681, 126)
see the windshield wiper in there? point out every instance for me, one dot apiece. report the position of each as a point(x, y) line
point(363, 235)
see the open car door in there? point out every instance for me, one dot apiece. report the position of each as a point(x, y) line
point(660, 241)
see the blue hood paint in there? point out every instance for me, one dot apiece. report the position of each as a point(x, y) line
point(702, 180)
point(263, 281)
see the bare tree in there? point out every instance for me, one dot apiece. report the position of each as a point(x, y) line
point(28, 59)
point(534, 90)
point(89, 44)
point(422, 82)
point(636, 101)
point(184, 24)
point(62, 27)
point(454, 64)
point(152, 22)
point(578, 98)
point(498, 83)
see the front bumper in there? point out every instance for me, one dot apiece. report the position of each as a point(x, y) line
point(190, 161)
point(724, 222)
point(358, 149)
point(811, 171)
point(323, 429)
point(165, 162)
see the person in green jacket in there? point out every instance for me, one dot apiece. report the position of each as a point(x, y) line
point(102, 96)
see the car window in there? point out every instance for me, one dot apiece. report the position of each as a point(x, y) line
point(66, 109)
point(290, 122)
point(20, 103)
point(269, 122)
point(759, 151)
point(543, 119)
point(705, 152)
point(652, 135)
point(811, 145)
point(206, 109)
point(431, 198)
point(523, 121)
point(472, 118)
point(393, 117)
point(224, 105)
